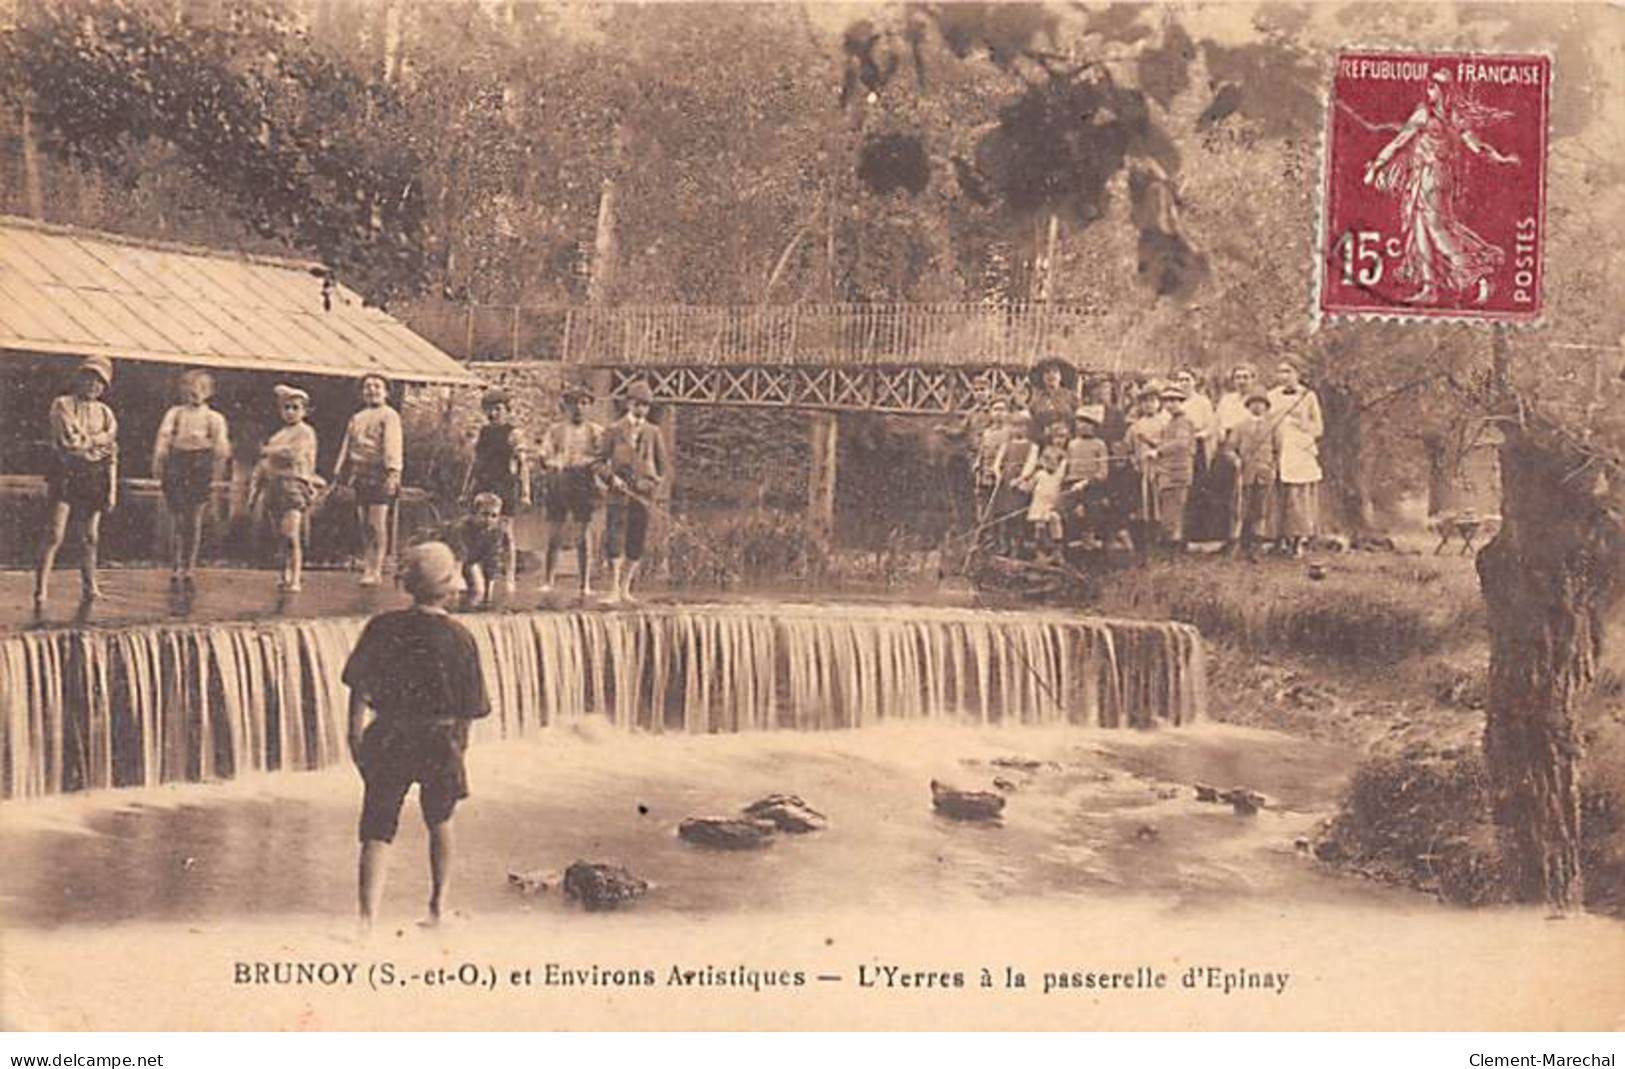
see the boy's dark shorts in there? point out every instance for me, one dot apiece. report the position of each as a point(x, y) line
point(396, 753)
point(188, 478)
point(83, 484)
point(507, 489)
point(372, 487)
point(571, 495)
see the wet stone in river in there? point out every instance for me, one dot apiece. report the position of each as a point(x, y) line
point(601, 887)
point(787, 813)
point(966, 805)
point(726, 833)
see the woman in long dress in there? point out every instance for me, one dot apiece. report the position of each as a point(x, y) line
point(1295, 409)
point(1422, 166)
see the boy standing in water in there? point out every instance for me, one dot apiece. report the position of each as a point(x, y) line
point(370, 459)
point(634, 453)
point(285, 480)
point(570, 452)
point(193, 443)
point(84, 472)
point(418, 670)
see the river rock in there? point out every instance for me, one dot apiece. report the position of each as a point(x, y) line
point(601, 887)
point(726, 833)
point(1245, 802)
point(966, 805)
point(1020, 764)
point(531, 883)
point(1002, 784)
point(788, 813)
point(1204, 793)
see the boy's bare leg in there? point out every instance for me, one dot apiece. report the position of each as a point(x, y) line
point(56, 528)
point(631, 574)
point(583, 558)
point(440, 852)
point(194, 534)
point(617, 569)
point(177, 546)
point(584, 565)
point(512, 563)
point(479, 591)
point(373, 870)
point(375, 534)
point(294, 549)
point(90, 539)
point(550, 554)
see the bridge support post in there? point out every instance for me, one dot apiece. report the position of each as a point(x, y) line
point(822, 440)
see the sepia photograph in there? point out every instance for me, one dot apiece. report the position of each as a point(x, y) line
point(823, 516)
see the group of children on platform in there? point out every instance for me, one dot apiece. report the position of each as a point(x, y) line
point(1162, 466)
point(582, 463)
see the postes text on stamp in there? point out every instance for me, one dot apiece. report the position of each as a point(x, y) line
point(1435, 185)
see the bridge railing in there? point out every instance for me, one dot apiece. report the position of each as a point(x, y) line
point(822, 334)
point(828, 335)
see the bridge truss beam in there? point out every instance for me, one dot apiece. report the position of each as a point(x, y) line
point(895, 389)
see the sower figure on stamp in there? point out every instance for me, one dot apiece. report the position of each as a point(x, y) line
point(570, 452)
point(418, 671)
point(1422, 166)
point(635, 463)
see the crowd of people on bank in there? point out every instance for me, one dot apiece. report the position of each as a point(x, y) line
point(1154, 463)
point(579, 467)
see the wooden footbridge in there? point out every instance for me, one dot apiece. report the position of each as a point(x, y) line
point(896, 358)
point(824, 359)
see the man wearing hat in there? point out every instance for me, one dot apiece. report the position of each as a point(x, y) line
point(1088, 464)
point(84, 472)
point(1254, 445)
point(498, 467)
point(418, 671)
point(570, 450)
point(1175, 463)
point(1295, 408)
point(634, 459)
point(1054, 396)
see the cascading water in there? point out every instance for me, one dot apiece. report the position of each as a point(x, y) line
point(152, 704)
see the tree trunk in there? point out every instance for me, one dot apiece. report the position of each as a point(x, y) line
point(1547, 579)
point(1348, 485)
point(33, 186)
point(822, 442)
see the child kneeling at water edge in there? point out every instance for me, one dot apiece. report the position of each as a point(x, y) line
point(419, 672)
point(484, 547)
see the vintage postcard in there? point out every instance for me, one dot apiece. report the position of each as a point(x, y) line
point(523, 516)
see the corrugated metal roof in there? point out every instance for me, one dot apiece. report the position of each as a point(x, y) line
point(80, 292)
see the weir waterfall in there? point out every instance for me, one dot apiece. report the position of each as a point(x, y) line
point(142, 705)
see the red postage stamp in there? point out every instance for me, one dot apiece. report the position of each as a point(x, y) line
point(1435, 186)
